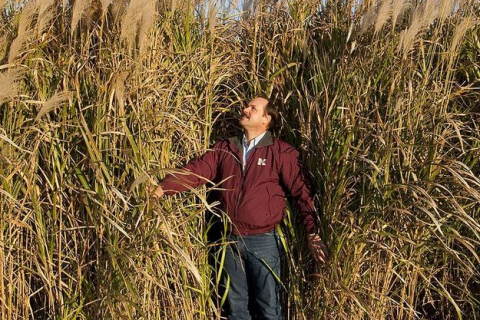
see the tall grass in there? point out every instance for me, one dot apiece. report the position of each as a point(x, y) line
point(99, 99)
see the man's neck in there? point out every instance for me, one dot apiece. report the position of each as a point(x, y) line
point(250, 135)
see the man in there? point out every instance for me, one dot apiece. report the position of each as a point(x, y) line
point(255, 170)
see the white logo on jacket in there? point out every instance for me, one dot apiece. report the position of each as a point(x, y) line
point(261, 162)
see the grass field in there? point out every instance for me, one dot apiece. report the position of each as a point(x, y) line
point(99, 99)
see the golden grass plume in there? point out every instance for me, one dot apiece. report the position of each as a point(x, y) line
point(119, 87)
point(368, 19)
point(137, 20)
point(130, 22)
point(423, 15)
point(146, 24)
point(446, 8)
point(398, 10)
point(10, 84)
point(105, 4)
point(45, 14)
point(25, 27)
point(384, 13)
point(118, 9)
point(55, 101)
point(212, 18)
point(79, 9)
point(461, 30)
point(430, 13)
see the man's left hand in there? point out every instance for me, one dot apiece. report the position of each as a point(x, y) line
point(317, 248)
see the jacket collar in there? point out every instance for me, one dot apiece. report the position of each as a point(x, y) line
point(267, 140)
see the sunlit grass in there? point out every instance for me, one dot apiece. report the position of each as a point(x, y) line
point(98, 100)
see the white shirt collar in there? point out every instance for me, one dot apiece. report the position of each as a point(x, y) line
point(247, 148)
point(253, 142)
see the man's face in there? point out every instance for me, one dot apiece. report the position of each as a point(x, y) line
point(253, 116)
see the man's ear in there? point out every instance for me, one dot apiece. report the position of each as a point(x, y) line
point(269, 118)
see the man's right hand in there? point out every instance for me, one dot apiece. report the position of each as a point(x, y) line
point(155, 192)
point(317, 248)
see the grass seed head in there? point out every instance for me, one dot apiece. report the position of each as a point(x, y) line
point(17, 46)
point(119, 87)
point(25, 26)
point(55, 101)
point(45, 15)
point(460, 32)
point(398, 10)
point(384, 13)
point(79, 8)
point(10, 84)
point(131, 21)
point(118, 9)
point(430, 13)
point(105, 4)
point(147, 21)
point(368, 19)
point(212, 18)
point(408, 36)
point(446, 8)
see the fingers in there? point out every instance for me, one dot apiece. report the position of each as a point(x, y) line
point(155, 192)
point(320, 253)
point(318, 249)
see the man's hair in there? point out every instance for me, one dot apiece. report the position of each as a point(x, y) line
point(272, 112)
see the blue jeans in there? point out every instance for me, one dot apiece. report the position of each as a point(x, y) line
point(251, 270)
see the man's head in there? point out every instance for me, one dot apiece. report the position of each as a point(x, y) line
point(258, 115)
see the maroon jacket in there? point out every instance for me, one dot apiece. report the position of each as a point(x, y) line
point(254, 199)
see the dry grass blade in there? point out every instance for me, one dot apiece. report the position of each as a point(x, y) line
point(3, 45)
point(144, 177)
point(5, 138)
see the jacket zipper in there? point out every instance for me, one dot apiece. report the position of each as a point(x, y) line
point(242, 188)
point(240, 194)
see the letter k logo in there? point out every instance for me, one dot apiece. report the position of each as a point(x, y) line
point(261, 162)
